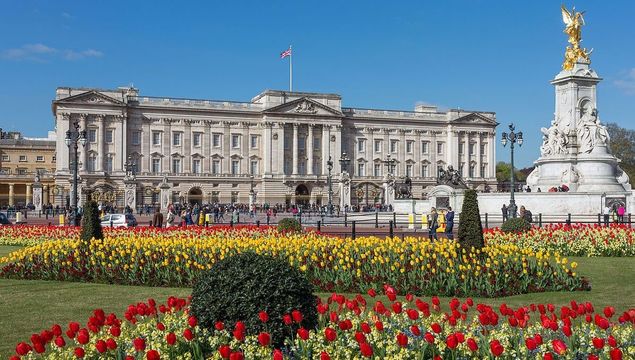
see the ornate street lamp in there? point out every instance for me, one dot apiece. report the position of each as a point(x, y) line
point(513, 138)
point(329, 166)
point(74, 137)
point(344, 162)
point(252, 192)
point(390, 165)
point(1, 134)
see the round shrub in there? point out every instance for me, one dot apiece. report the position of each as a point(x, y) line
point(289, 225)
point(239, 287)
point(516, 225)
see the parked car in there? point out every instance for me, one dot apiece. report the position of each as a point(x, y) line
point(4, 220)
point(118, 220)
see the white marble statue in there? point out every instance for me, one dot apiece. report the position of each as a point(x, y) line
point(554, 140)
point(590, 133)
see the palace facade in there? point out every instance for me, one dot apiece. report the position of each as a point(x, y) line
point(278, 145)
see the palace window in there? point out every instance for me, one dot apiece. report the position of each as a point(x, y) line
point(254, 141)
point(156, 138)
point(440, 148)
point(301, 142)
point(301, 167)
point(215, 167)
point(472, 171)
point(316, 143)
point(216, 140)
point(234, 197)
point(196, 166)
point(215, 197)
point(393, 146)
point(425, 147)
point(409, 146)
point(472, 149)
point(39, 158)
point(92, 135)
point(316, 166)
point(176, 166)
point(361, 145)
point(109, 161)
point(110, 134)
point(461, 148)
point(483, 170)
point(409, 170)
point(22, 158)
point(156, 165)
point(378, 145)
point(377, 170)
point(235, 141)
point(196, 139)
point(21, 171)
point(176, 138)
point(90, 166)
point(483, 148)
point(136, 138)
point(5, 157)
point(253, 167)
point(361, 169)
point(424, 171)
point(54, 158)
point(235, 167)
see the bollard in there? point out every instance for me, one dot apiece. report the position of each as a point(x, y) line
point(231, 223)
point(207, 224)
point(629, 220)
point(486, 221)
point(424, 221)
point(258, 223)
point(112, 224)
point(376, 219)
point(390, 229)
point(319, 226)
point(345, 219)
point(149, 223)
point(411, 221)
point(394, 218)
point(568, 219)
point(353, 229)
point(540, 220)
point(402, 236)
point(599, 219)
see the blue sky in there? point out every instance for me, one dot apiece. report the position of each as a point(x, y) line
point(483, 55)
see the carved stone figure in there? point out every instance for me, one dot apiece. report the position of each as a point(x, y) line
point(574, 22)
point(130, 200)
point(404, 190)
point(450, 177)
point(590, 132)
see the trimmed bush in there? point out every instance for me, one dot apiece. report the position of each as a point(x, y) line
point(289, 225)
point(516, 225)
point(470, 226)
point(91, 224)
point(239, 287)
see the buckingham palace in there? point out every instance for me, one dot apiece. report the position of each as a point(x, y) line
point(275, 147)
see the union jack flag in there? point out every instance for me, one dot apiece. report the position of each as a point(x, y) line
point(285, 53)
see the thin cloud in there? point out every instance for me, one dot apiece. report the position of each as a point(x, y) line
point(67, 15)
point(42, 53)
point(627, 83)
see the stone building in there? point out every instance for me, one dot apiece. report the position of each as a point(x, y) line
point(278, 145)
point(20, 159)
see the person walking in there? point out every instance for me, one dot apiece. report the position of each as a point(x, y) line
point(157, 219)
point(449, 223)
point(170, 219)
point(607, 215)
point(433, 224)
point(621, 210)
point(504, 210)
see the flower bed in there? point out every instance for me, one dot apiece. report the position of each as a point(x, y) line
point(576, 240)
point(349, 328)
point(175, 258)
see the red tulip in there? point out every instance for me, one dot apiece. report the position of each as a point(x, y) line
point(236, 356)
point(239, 335)
point(277, 355)
point(360, 337)
point(548, 356)
point(496, 348)
point(23, 348)
point(436, 328)
point(324, 356)
point(160, 326)
point(188, 335)
point(303, 333)
point(365, 328)
point(115, 331)
point(402, 339)
point(101, 346)
point(471, 344)
point(559, 346)
point(451, 341)
point(219, 326)
point(429, 338)
point(224, 351)
point(79, 352)
point(330, 334)
point(59, 341)
point(414, 329)
point(264, 339)
point(139, 344)
point(379, 326)
point(286, 318)
point(530, 343)
point(616, 354)
point(153, 355)
point(111, 343)
point(83, 337)
point(372, 293)
point(598, 343)
point(192, 321)
point(170, 338)
point(611, 341)
point(264, 317)
point(366, 350)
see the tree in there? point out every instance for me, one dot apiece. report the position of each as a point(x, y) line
point(91, 224)
point(503, 172)
point(623, 147)
point(470, 226)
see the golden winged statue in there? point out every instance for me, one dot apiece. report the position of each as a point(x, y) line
point(574, 22)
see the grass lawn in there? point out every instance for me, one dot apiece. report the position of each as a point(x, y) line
point(31, 306)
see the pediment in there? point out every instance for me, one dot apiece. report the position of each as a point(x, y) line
point(197, 155)
point(176, 154)
point(156, 154)
point(304, 106)
point(92, 97)
point(474, 119)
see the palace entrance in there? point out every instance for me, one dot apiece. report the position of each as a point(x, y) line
point(302, 195)
point(367, 194)
point(195, 196)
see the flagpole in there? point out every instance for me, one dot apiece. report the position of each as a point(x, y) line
point(290, 69)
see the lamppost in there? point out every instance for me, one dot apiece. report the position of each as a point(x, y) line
point(74, 137)
point(513, 137)
point(252, 193)
point(346, 181)
point(390, 165)
point(329, 166)
point(1, 134)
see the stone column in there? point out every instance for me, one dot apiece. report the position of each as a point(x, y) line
point(146, 145)
point(401, 156)
point(326, 141)
point(206, 165)
point(280, 152)
point(294, 149)
point(28, 193)
point(46, 195)
point(267, 148)
point(245, 166)
point(11, 194)
point(166, 167)
point(186, 146)
point(478, 156)
point(416, 171)
point(84, 150)
point(449, 147)
point(337, 151)
point(101, 147)
point(124, 144)
point(226, 146)
point(491, 149)
point(308, 148)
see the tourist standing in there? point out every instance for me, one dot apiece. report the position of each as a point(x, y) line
point(607, 214)
point(433, 224)
point(157, 219)
point(504, 210)
point(170, 218)
point(620, 213)
point(449, 223)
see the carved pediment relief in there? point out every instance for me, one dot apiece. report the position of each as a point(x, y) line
point(475, 119)
point(304, 106)
point(92, 97)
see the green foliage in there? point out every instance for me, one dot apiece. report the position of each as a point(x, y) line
point(91, 224)
point(289, 225)
point(623, 147)
point(470, 226)
point(503, 172)
point(516, 225)
point(239, 287)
